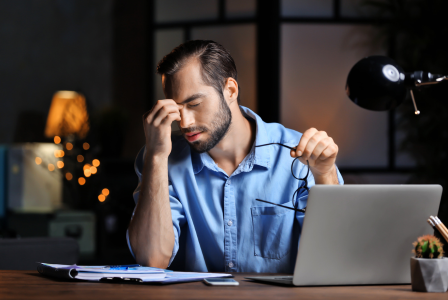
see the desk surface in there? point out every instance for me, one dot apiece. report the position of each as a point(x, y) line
point(31, 285)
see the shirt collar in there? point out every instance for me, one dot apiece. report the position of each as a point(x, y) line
point(258, 155)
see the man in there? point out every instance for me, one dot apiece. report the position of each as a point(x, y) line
point(196, 199)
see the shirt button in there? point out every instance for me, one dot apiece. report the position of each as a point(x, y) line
point(230, 264)
point(228, 181)
point(230, 223)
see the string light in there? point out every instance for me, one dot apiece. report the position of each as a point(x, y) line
point(68, 176)
point(96, 162)
point(60, 164)
point(86, 146)
point(59, 153)
point(105, 192)
point(81, 180)
point(80, 158)
point(93, 170)
point(38, 160)
point(51, 167)
point(69, 146)
point(57, 140)
point(101, 198)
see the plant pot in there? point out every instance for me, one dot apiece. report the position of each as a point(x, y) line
point(429, 275)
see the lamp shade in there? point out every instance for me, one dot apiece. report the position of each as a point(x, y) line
point(68, 115)
point(376, 83)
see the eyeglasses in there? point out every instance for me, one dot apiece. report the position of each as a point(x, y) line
point(305, 179)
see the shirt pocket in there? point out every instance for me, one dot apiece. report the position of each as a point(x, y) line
point(272, 231)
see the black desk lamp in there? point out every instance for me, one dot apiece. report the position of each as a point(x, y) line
point(379, 83)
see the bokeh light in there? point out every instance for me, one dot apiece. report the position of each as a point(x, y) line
point(60, 164)
point(51, 167)
point(80, 158)
point(38, 160)
point(87, 172)
point(59, 153)
point(69, 146)
point(105, 192)
point(96, 162)
point(68, 176)
point(86, 146)
point(101, 198)
point(93, 170)
point(57, 140)
point(81, 180)
point(86, 166)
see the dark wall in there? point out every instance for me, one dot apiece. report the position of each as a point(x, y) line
point(50, 45)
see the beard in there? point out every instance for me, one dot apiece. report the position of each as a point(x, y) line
point(218, 129)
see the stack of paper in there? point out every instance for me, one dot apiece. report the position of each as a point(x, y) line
point(130, 272)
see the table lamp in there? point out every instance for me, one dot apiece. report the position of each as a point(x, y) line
point(379, 83)
point(67, 116)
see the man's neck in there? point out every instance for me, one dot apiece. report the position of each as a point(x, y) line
point(236, 144)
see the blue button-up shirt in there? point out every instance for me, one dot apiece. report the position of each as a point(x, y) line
point(218, 225)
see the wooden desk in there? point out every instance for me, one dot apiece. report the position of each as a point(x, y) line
point(31, 285)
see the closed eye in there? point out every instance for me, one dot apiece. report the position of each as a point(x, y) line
point(193, 105)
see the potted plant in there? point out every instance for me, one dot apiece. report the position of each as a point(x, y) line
point(429, 271)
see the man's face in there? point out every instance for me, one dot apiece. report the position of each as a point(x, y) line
point(206, 117)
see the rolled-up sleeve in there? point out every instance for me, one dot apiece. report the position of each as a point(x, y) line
point(177, 211)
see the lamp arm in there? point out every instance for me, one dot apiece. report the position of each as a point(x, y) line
point(421, 78)
point(419, 83)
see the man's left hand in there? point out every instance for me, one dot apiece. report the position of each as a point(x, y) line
point(320, 150)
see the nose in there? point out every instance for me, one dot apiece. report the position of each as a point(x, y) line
point(186, 118)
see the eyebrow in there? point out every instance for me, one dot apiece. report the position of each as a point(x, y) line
point(192, 98)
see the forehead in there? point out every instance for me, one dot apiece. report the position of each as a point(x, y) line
point(186, 82)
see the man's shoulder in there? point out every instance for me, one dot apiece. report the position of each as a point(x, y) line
point(277, 133)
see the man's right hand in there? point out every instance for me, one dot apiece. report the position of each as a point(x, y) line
point(157, 126)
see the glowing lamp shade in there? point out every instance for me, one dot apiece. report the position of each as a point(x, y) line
point(68, 115)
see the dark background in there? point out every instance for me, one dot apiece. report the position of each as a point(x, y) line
point(293, 57)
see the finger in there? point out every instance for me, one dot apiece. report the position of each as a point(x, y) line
point(312, 143)
point(320, 147)
point(170, 118)
point(163, 112)
point(330, 152)
point(303, 142)
point(149, 116)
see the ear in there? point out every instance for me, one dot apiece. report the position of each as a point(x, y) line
point(231, 91)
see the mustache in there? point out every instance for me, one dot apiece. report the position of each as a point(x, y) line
point(193, 129)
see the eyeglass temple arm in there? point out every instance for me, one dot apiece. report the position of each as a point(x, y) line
point(291, 208)
point(276, 144)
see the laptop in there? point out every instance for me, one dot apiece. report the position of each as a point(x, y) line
point(361, 234)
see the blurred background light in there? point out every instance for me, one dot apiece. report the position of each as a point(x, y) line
point(67, 115)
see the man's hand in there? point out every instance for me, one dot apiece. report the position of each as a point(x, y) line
point(320, 151)
point(157, 126)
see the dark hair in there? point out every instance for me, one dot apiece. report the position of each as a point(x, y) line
point(216, 63)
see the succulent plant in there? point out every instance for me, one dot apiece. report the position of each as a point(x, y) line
point(428, 246)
